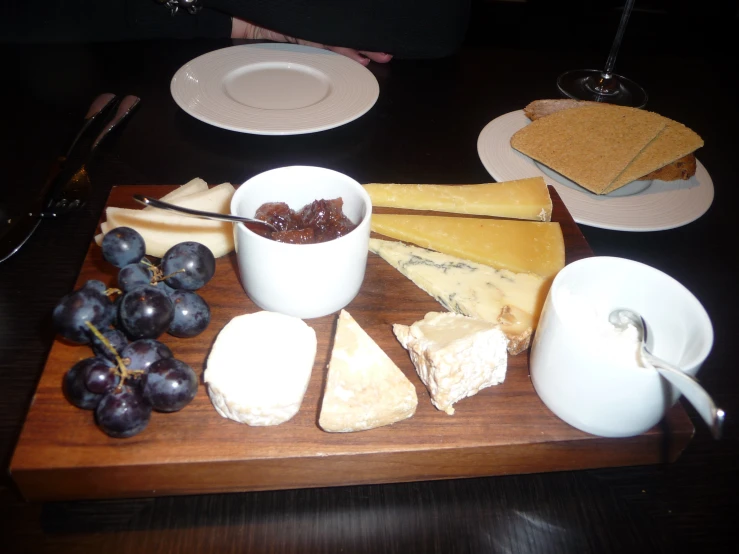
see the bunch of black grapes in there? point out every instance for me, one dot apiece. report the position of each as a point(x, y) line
point(131, 373)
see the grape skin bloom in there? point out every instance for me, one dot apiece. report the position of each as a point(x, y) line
point(75, 309)
point(170, 385)
point(123, 412)
point(191, 314)
point(145, 312)
point(122, 246)
point(74, 388)
point(188, 265)
point(140, 354)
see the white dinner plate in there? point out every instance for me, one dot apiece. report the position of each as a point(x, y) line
point(638, 206)
point(274, 89)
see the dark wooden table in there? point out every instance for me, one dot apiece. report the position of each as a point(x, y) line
point(423, 128)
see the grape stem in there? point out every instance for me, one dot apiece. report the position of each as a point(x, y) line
point(121, 369)
point(171, 274)
point(157, 274)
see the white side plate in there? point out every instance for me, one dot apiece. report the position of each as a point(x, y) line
point(274, 89)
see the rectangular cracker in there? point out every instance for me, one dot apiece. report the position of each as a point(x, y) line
point(673, 143)
point(591, 145)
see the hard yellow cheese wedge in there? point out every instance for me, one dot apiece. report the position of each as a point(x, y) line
point(520, 199)
point(519, 246)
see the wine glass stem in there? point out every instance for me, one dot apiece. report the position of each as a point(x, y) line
point(617, 40)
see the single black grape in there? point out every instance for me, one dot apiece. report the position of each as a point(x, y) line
point(123, 412)
point(78, 307)
point(122, 246)
point(134, 275)
point(140, 354)
point(170, 385)
point(74, 388)
point(100, 375)
point(117, 340)
point(188, 265)
point(191, 314)
point(145, 312)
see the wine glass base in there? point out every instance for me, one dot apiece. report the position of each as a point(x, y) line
point(590, 84)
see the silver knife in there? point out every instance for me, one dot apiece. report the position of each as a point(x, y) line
point(68, 184)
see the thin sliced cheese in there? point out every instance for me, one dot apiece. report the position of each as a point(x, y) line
point(518, 246)
point(215, 199)
point(191, 187)
point(162, 230)
point(520, 199)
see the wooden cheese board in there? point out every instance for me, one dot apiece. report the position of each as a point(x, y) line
point(505, 429)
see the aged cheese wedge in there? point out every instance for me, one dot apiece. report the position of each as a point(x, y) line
point(364, 388)
point(519, 246)
point(251, 377)
point(455, 356)
point(520, 199)
point(511, 300)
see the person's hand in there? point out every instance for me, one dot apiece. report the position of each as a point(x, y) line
point(244, 29)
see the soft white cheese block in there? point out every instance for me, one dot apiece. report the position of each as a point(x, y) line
point(259, 367)
point(364, 388)
point(511, 300)
point(455, 356)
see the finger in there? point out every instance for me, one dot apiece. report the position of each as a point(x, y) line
point(378, 57)
point(351, 54)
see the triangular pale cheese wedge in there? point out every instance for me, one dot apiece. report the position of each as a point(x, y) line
point(520, 199)
point(591, 145)
point(518, 246)
point(364, 388)
point(513, 301)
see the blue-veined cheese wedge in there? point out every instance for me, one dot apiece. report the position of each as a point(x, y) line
point(252, 377)
point(511, 300)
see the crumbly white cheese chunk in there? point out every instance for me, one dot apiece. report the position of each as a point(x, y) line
point(364, 388)
point(455, 356)
point(259, 367)
point(511, 300)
